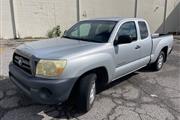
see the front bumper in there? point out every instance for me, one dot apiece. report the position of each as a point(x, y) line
point(41, 90)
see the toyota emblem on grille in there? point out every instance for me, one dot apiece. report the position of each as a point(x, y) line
point(20, 61)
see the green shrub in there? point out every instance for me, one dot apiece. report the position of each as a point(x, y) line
point(55, 32)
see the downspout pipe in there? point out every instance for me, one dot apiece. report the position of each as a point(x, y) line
point(135, 8)
point(78, 10)
point(13, 19)
point(165, 13)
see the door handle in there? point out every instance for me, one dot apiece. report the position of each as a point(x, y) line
point(138, 47)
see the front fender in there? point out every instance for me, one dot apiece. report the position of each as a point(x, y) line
point(81, 65)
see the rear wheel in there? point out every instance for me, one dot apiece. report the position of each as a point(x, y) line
point(159, 62)
point(87, 92)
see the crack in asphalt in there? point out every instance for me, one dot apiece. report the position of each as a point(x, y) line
point(149, 93)
point(162, 102)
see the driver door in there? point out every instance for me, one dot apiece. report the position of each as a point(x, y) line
point(127, 54)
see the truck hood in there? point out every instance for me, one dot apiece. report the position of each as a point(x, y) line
point(57, 48)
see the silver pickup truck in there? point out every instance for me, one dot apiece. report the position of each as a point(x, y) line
point(91, 54)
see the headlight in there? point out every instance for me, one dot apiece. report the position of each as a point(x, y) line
point(50, 68)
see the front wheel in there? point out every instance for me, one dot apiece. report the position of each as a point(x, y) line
point(159, 62)
point(87, 92)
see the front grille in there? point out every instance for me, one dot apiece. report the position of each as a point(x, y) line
point(22, 62)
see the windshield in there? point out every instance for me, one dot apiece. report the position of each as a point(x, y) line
point(92, 31)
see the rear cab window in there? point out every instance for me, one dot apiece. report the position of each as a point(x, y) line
point(143, 29)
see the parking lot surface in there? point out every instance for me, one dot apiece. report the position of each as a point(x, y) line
point(143, 95)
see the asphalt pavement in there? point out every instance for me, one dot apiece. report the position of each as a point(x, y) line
point(143, 95)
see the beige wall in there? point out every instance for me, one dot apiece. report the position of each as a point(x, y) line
point(153, 12)
point(172, 19)
point(6, 30)
point(106, 8)
point(33, 18)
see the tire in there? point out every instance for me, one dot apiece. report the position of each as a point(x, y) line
point(159, 62)
point(87, 92)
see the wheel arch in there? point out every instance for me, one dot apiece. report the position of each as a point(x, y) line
point(102, 78)
point(165, 50)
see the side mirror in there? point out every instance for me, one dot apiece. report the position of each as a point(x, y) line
point(123, 39)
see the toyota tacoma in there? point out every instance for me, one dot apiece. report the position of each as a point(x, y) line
point(89, 55)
